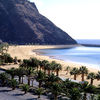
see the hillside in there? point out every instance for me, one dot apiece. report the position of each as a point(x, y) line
point(21, 23)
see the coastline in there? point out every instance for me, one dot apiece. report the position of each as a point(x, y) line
point(25, 52)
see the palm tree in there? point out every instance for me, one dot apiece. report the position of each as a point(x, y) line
point(83, 71)
point(43, 65)
point(98, 98)
point(39, 91)
point(98, 75)
point(48, 68)
point(13, 83)
point(68, 85)
point(91, 76)
point(8, 58)
point(29, 72)
point(75, 94)
point(25, 63)
point(55, 88)
point(29, 63)
point(84, 89)
point(40, 77)
point(74, 72)
point(32, 78)
point(25, 88)
point(3, 78)
point(15, 60)
point(20, 72)
point(88, 89)
point(53, 66)
point(12, 72)
point(4, 48)
point(68, 69)
point(58, 67)
point(34, 63)
point(51, 79)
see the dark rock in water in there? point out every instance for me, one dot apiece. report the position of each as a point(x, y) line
point(21, 23)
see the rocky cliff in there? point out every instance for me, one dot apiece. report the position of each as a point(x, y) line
point(21, 23)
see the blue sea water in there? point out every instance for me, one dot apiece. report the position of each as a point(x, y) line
point(89, 41)
point(83, 55)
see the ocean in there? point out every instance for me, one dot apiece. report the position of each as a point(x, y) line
point(89, 41)
point(89, 56)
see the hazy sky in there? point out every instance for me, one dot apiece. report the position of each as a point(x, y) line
point(79, 18)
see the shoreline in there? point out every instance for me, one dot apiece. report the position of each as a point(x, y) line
point(25, 52)
point(88, 65)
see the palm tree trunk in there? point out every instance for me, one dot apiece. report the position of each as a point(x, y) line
point(85, 96)
point(19, 79)
point(74, 76)
point(25, 92)
point(12, 77)
point(57, 73)
point(39, 96)
point(32, 82)
point(40, 83)
point(37, 68)
point(91, 82)
point(13, 88)
point(29, 81)
point(82, 76)
point(22, 79)
point(3, 83)
point(48, 72)
point(55, 97)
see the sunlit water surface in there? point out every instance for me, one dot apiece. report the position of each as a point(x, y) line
point(83, 55)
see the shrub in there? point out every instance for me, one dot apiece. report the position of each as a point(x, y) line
point(3, 78)
point(13, 83)
point(39, 91)
point(25, 88)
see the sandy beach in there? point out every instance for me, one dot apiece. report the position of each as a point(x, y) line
point(25, 52)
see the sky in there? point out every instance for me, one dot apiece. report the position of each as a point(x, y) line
point(79, 18)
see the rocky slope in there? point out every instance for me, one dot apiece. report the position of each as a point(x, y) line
point(21, 23)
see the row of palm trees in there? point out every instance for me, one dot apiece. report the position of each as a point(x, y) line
point(83, 71)
point(52, 67)
point(44, 65)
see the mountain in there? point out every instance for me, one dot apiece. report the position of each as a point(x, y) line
point(21, 23)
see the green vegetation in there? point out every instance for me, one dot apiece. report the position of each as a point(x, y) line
point(91, 76)
point(3, 78)
point(20, 72)
point(4, 56)
point(12, 72)
point(40, 77)
point(13, 83)
point(39, 91)
point(74, 72)
point(83, 71)
point(25, 88)
point(47, 75)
